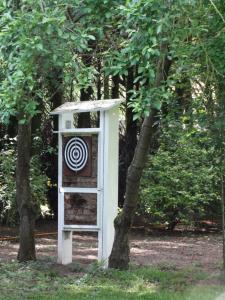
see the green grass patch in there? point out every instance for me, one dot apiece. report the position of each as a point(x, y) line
point(43, 280)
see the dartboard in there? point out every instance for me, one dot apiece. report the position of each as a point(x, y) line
point(76, 154)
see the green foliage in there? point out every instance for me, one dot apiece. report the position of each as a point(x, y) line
point(38, 179)
point(8, 209)
point(39, 280)
point(180, 181)
point(146, 26)
point(47, 41)
point(36, 39)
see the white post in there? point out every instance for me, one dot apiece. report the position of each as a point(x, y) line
point(64, 237)
point(100, 184)
point(67, 251)
point(60, 195)
point(110, 195)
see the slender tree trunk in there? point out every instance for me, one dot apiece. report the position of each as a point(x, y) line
point(56, 97)
point(12, 127)
point(23, 194)
point(99, 82)
point(119, 257)
point(115, 87)
point(130, 138)
point(131, 125)
point(84, 119)
point(223, 214)
point(106, 87)
point(219, 142)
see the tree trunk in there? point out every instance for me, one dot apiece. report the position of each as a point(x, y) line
point(119, 257)
point(115, 87)
point(56, 97)
point(23, 194)
point(219, 142)
point(106, 87)
point(12, 128)
point(99, 82)
point(223, 215)
point(130, 139)
point(131, 125)
point(84, 119)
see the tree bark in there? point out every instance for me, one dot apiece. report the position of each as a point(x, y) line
point(115, 87)
point(55, 89)
point(99, 82)
point(119, 257)
point(130, 139)
point(223, 214)
point(106, 87)
point(23, 194)
point(219, 142)
point(84, 119)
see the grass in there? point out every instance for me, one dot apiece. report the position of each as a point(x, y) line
point(44, 280)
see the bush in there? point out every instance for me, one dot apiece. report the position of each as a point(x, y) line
point(180, 182)
point(8, 209)
point(38, 180)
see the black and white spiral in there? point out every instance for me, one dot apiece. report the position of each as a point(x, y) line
point(76, 154)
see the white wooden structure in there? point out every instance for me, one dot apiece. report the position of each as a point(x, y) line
point(106, 189)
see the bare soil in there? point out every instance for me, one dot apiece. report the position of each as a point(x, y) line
point(178, 250)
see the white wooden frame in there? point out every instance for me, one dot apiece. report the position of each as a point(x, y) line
point(65, 239)
point(106, 189)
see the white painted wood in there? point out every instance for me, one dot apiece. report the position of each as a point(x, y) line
point(110, 205)
point(67, 245)
point(67, 121)
point(86, 106)
point(81, 131)
point(107, 176)
point(78, 190)
point(100, 182)
point(81, 227)
point(60, 199)
point(99, 223)
point(60, 171)
point(60, 226)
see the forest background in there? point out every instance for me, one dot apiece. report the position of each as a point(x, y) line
point(52, 52)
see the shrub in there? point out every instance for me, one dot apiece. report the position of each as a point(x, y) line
point(38, 180)
point(180, 182)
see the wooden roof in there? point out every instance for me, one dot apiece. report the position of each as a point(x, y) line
point(86, 106)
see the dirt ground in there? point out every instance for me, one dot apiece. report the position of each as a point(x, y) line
point(178, 250)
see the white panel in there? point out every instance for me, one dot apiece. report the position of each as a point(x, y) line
point(78, 190)
point(100, 182)
point(81, 131)
point(81, 228)
point(85, 106)
point(60, 198)
point(67, 118)
point(111, 156)
point(67, 245)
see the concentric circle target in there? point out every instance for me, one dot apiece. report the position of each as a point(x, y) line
point(76, 154)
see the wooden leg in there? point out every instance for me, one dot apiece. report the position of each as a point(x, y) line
point(65, 247)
